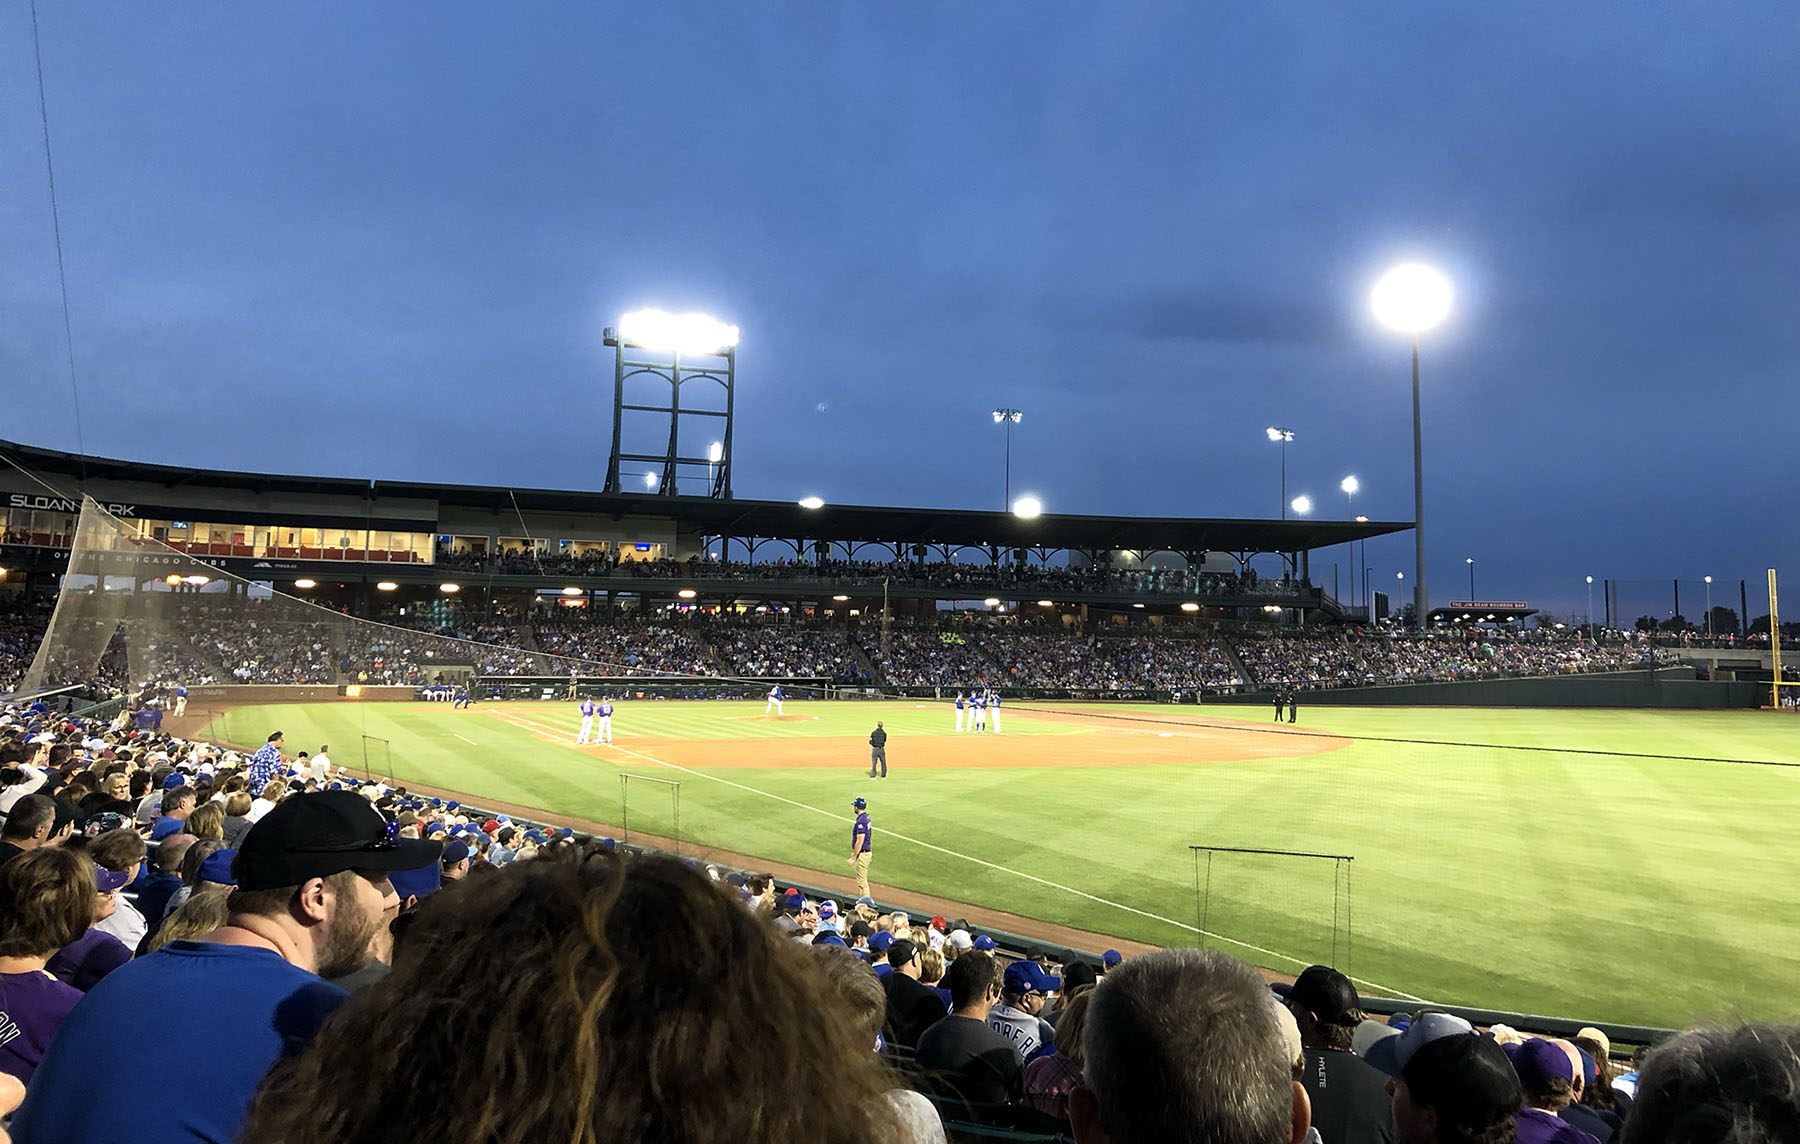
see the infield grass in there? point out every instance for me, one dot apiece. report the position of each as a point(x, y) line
point(1617, 886)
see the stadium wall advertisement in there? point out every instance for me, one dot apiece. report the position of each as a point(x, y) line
point(237, 695)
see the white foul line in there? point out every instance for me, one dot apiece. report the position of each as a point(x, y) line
point(466, 739)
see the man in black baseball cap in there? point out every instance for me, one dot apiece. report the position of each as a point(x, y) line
point(1349, 1099)
point(1450, 1084)
point(312, 882)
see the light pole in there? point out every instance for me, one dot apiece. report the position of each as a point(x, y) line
point(1350, 485)
point(1008, 418)
point(1709, 607)
point(1592, 636)
point(715, 453)
point(1470, 561)
point(1282, 436)
point(1412, 298)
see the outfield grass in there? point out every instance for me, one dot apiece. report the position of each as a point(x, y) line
point(1606, 886)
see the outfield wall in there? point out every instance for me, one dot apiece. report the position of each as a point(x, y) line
point(247, 694)
point(1668, 687)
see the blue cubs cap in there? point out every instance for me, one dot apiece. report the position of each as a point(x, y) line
point(881, 941)
point(985, 943)
point(1111, 958)
point(860, 803)
point(1029, 977)
point(418, 883)
point(830, 937)
point(454, 853)
point(216, 867)
point(535, 837)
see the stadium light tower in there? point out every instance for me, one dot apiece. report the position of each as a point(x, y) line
point(1470, 561)
point(1590, 615)
point(1281, 436)
point(1709, 607)
point(676, 349)
point(1301, 505)
point(1412, 298)
point(1008, 418)
point(1350, 484)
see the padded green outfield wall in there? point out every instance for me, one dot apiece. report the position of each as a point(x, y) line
point(1667, 687)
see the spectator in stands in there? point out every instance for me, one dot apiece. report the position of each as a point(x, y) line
point(1602, 1126)
point(46, 903)
point(1719, 1086)
point(965, 1057)
point(265, 802)
point(114, 795)
point(861, 994)
point(1053, 1076)
point(96, 953)
point(310, 886)
point(1024, 991)
point(912, 1006)
point(1448, 1083)
point(1600, 1093)
point(198, 916)
point(207, 823)
point(177, 803)
point(1350, 1103)
point(454, 862)
point(163, 883)
point(603, 1018)
point(237, 818)
point(1548, 1078)
point(121, 850)
point(30, 826)
point(1182, 1044)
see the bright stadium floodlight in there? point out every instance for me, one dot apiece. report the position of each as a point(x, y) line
point(715, 452)
point(1027, 507)
point(386, 586)
point(812, 502)
point(1349, 485)
point(1412, 298)
point(449, 589)
point(572, 590)
point(687, 593)
point(992, 602)
point(197, 581)
point(1046, 603)
point(677, 333)
point(649, 480)
point(1281, 435)
point(1189, 606)
point(298, 583)
point(840, 599)
point(1301, 505)
point(172, 580)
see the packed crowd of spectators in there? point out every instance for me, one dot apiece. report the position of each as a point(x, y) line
point(584, 647)
point(20, 633)
point(293, 929)
point(1344, 658)
point(784, 650)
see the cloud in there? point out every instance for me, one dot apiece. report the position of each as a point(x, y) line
point(1217, 316)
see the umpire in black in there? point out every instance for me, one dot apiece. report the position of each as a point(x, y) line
point(878, 750)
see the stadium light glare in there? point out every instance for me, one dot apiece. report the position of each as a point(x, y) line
point(386, 586)
point(571, 590)
point(677, 333)
point(1281, 435)
point(1012, 415)
point(686, 593)
point(812, 502)
point(449, 589)
point(1350, 485)
point(1189, 606)
point(841, 599)
point(197, 581)
point(1411, 298)
point(1027, 507)
point(172, 581)
point(992, 602)
point(649, 480)
point(1361, 519)
point(297, 583)
point(1301, 505)
point(1137, 605)
point(715, 452)
point(1276, 433)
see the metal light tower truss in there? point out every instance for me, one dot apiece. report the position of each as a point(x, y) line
point(679, 351)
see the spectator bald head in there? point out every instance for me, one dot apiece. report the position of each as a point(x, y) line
point(172, 850)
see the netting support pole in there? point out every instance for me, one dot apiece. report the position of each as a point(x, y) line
point(674, 806)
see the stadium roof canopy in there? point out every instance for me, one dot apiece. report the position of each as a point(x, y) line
point(760, 518)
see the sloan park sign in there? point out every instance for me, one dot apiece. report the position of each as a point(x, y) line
point(64, 504)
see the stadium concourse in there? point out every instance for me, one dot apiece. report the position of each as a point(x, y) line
point(293, 928)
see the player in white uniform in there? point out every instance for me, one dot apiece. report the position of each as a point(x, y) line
point(994, 710)
point(979, 715)
point(959, 711)
point(605, 711)
point(774, 701)
point(587, 721)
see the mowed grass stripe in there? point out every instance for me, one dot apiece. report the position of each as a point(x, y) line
point(1630, 889)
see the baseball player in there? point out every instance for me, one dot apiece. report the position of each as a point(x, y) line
point(959, 711)
point(994, 710)
point(878, 750)
point(604, 710)
point(861, 836)
point(587, 721)
point(978, 717)
point(774, 700)
point(180, 700)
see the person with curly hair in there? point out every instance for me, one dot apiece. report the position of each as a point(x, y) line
point(626, 1004)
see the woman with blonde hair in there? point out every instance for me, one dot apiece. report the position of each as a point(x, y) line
point(207, 823)
point(626, 1002)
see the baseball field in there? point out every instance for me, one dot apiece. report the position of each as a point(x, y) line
point(1631, 866)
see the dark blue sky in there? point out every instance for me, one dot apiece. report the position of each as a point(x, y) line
point(383, 240)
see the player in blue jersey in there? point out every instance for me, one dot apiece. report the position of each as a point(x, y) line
point(978, 717)
point(994, 710)
point(774, 700)
point(587, 721)
point(959, 711)
point(605, 731)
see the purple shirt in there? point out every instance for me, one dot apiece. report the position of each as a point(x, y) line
point(88, 958)
point(32, 1005)
point(861, 835)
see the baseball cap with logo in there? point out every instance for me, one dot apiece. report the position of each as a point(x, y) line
point(986, 944)
point(1326, 993)
point(317, 835)
point(1028, 977)
point(107, 881)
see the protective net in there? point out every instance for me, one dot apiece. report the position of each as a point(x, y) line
point(134, 612)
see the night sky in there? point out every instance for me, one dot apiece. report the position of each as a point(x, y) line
point(382, 241)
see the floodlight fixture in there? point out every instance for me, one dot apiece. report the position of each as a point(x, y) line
point(992, 602)
point(687, 593)
point(1350, 485)
point(715, 452)
point(571, 590)
point(1012, 415)
point(1301, 505)
point(449, 589)
point(1411, 298)
point(173, 580)
point(841, 599)
point(386, 586)
point(812, 502)
point(1277, 433)
point(1361, 519)
point(663, 332)
point(1027, 507)
point(1189, 606)
point(197, 581)
point(1046, 603)
point(298, 583)
point(650, 480)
